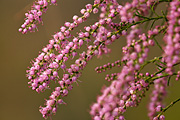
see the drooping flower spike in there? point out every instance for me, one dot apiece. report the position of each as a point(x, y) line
point(34, 16)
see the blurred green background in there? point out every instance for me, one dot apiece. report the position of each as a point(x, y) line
point(18, 102)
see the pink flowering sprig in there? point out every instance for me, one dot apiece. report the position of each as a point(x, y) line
point(34, 16)
point(157, 96)
point(108, 66)
point(141, 92)
point(172, 37)
point(52, 103)
point(160, 82)
point(155, 78)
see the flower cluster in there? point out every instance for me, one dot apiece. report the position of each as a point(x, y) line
point(129, 85)
point(33, 17)
point(157, 97)
point(172, 37)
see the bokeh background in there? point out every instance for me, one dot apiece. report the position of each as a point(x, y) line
point(18, 102)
